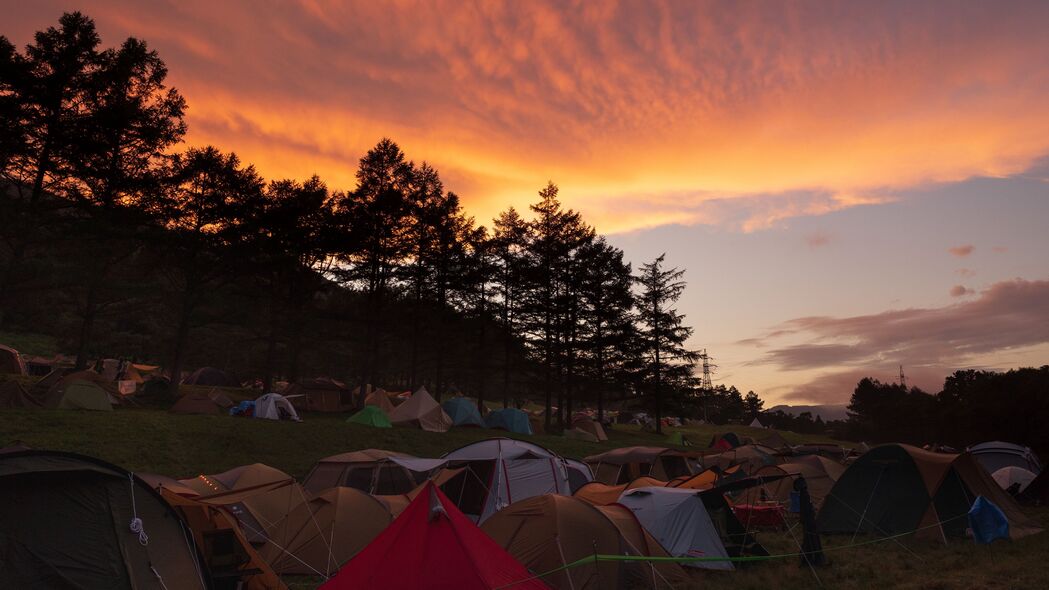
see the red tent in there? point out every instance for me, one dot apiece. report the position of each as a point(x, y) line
point(433, 545)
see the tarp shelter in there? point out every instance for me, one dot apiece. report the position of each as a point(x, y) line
point(210, 376)
point(510, 420)
point(380, 399)
point(371, 416)
point(548, 532)
point(322, 394)
point(1013, 479)
point(463, 412)
point(629, 463)
point(997, 454)
point(266, 502)
point(896, 489)
point(11, 362)
point(274, 406)
point(421, 411)
point(196, 403)
point(13, 395)
point(371, 470)
point(500, 471)
point(432, 545)
point(579, 474)
point(64, 523)
point(588, 424)
point(82, 390)
point(678, 519)
point(229, 557)
point(600, 494)
point(341, 522)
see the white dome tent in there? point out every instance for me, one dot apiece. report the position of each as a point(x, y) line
point(274, 406)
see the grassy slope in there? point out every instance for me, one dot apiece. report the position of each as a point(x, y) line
point(151, 440)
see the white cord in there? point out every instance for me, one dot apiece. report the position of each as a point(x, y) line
point(136, 522)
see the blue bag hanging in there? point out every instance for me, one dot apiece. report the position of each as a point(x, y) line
point(987, 521)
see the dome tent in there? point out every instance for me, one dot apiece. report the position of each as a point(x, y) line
point(678, 519)
point(274, 406)
point(463, 412)
point(510, 420)
point(81, 390)
point(64, 520)
point(370, 470)
point(210, 376)
point(371, 416)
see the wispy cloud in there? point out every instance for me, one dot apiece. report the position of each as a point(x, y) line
point(962, 251)
point(961, 291)
point(772, 106)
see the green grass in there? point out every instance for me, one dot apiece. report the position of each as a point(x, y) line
point(28, 343)
point(152, 440)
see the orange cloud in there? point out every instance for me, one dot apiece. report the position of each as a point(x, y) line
point(962, 251)
point(644, 114)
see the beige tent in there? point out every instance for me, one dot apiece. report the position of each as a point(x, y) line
point(421, 411)
point(195, 403)
point(13, 395)
point(819, 484)
point(322, 394)
point(628, 463)
point(370, 471)
point(343, 521)
point(588, 424)
point(267, 502)
point(547, 532)
point(380, 399)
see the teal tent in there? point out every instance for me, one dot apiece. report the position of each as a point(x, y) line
point(510, 419)
point(463, 412)
point(371, 416)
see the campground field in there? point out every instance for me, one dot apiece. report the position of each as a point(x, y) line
point(155, 441)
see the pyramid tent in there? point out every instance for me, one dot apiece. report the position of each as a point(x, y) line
point(380, 399)
point(13, 395)
point(463, 412)
point(371, 416)
point(432, 545)
point(421, 411)
point(755, 423)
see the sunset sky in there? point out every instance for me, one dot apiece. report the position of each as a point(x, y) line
point(851, 186)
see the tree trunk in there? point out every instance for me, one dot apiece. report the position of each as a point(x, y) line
point(87, 325)
point(181, 335)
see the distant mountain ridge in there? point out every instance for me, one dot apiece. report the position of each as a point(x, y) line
point(827, 411)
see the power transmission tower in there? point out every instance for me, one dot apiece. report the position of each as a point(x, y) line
point(903, 378)
point(706, 386)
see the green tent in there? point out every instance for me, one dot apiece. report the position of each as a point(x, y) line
point(83, 390)
point(65, 523)
point(371, 416)
point(679, 439)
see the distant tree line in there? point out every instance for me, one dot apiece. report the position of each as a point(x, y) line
point(118, 244)
point(974, 406)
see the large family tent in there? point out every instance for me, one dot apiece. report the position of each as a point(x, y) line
point(499, 471)
point(274, 406)
point(371, 416)
point(896, 489)
point(421, 411)
point(678, 519)
point(546, 533)
point(463, 412)
point(629, 463)
point(266, 502)
point(82, 390)
point(210, 376)
point(229, 557)
point(818, 480)
point(340, 522)
point(69, 521)
point(372, 470)
point(997, 454)
point(13, 395)
point(11, 362)
point(322, 394)
point(432, 545)
point(196, 403)
point(510, 420)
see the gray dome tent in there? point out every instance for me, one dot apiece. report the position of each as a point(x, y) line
point(70, 521)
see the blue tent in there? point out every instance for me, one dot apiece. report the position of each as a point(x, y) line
point(463, 412)
point(510, 419)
